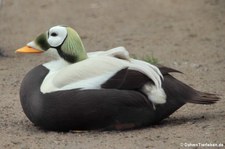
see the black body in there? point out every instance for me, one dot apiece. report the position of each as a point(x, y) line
point(117, 107)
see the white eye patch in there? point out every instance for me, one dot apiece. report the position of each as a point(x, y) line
point(57, 35)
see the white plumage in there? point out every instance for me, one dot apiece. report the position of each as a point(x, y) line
point(97, 69)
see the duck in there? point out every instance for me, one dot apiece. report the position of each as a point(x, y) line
point(102, 90)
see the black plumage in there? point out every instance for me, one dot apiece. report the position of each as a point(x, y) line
point(119, 106)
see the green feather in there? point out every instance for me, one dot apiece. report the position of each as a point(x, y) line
point(73, 45)
point(41, 41)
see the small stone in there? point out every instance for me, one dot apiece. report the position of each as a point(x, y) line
point(15, 142)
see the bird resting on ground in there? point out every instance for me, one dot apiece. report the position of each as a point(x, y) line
point(106, 90)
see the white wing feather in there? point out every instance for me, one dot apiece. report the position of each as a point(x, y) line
point(94, 71)
point(81, 72)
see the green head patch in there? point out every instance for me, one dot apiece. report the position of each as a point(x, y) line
point(73, 45)
point(42, 42)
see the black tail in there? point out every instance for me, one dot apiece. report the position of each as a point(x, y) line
point(184, 91)
point(178, 94)
point(204, 98)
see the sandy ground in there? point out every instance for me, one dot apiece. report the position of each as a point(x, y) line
point(188, 35)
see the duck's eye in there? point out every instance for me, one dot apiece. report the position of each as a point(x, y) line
point(54, 34)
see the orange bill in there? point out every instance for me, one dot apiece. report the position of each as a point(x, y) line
point(28, 49)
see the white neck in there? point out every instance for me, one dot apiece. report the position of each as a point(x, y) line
point(56, 65)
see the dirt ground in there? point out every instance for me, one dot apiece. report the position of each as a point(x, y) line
point(187, 35)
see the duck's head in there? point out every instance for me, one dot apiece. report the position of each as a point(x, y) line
point(62, 39)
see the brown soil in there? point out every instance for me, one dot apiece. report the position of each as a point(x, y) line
point(187, 35)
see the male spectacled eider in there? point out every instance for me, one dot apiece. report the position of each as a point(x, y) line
point(104, 90)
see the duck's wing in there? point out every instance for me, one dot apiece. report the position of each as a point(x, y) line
point(176, 91)
point(93, 72)
point(132, 79)
point(86, 74)
point(126, 79)
point(118, 52)
point(138, 65)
